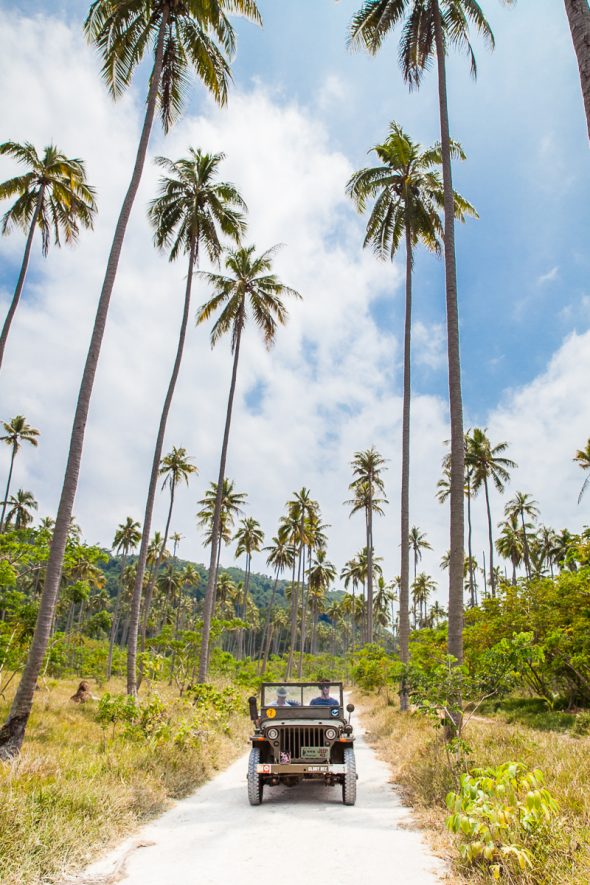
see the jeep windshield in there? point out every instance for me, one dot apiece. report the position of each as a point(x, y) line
point(308, 694)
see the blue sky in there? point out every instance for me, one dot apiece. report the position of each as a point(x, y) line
point(302, 116)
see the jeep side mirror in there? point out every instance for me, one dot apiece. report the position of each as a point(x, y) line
point(253, 709)
point(350, 708)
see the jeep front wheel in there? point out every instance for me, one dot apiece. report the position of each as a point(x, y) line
point(349, 783)
point(255, 784)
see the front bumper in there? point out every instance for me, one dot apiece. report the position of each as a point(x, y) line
point(300, 768)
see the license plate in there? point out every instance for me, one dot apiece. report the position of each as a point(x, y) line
point(315, 752)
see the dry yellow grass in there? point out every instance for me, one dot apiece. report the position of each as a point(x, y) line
point(415, 753)
point(72, 794)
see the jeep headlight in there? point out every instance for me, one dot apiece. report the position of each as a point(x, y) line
point(272, 733)
point(331, 733)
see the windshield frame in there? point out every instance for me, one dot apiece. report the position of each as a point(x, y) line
point(296, 694)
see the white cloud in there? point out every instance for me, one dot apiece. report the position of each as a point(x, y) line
point(429, 344)
point(548, 277)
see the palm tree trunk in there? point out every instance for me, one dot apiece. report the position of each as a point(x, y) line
point(215, 529)
point(265, 642)
point(303, 616)
point(5, 502)
point(492, 574)
point(21, 280)
point(578, 13)
point(116, 618)
point(404, 592)
point(527, 559)
point(469, 551)
point(13, 731)
point(293, 619)
point(456, 560)
point(370, 565)
point(149, 506)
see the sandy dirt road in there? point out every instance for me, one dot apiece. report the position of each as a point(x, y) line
point(298, 836)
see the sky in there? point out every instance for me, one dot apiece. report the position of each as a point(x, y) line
point(302, 115)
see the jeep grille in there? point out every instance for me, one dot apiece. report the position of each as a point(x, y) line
point(292, 739)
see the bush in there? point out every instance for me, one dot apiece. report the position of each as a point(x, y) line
point(500, 815)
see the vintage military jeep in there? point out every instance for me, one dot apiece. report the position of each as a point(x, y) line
point(301, 734)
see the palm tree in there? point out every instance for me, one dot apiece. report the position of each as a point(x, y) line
point(510, 543)
point(183, 36)
point(350, 575)
point(250, 538)
point(409, 195)
point(249, 287)
point(444, 490)
point(383, 602)
point(298, 528)
point(417, 543)
point(366, 468)
point(320, 575)
point(19, 509)
point(174, 467)
point(487, 462)
point(520, 506)
point(191, 213)
point(127, 537)
point(422, 587)
point(16, 432)
point(281, 555)
point(578, 13)
point(582, 457)
point(430, 27)
point(52, 195)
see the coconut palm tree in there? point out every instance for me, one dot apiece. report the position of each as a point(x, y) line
point(16, 432)
point(487, 463)
point(20, 507)
point(183, 36)
point(520, 506)
point(582, 458)
point(250, 538)
point(409, 196)
point(422, 587)
point(52, 195)
point(430, 28)
point(174, 467)
point(385, 596)
point(320, 576)
point(298, 528)
point(509, 544)
point(281, 555)
point(191, 213)
point(249, 287)
point(578, 14)
point(127, 537)
point(367, 467)
point(417, 543)
point(443, 492)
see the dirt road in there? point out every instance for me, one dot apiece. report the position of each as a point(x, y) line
point(298, 836)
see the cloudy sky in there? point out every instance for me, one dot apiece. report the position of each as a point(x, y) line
point(302, 115)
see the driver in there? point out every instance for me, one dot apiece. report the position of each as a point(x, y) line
point(324, 699)
point(281, 700)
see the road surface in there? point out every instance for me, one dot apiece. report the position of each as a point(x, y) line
point(298, 836)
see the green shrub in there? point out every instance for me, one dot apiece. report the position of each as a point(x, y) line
point(500, 815)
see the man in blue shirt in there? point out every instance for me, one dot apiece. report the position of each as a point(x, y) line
point(324, 700)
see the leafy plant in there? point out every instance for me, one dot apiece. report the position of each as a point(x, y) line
point(500, 815)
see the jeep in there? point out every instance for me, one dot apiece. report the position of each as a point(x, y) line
point(301, 734)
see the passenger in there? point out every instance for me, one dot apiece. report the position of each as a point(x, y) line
point(324, 700)
point(281, 700)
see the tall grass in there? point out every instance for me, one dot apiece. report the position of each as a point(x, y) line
point(415, 751)
point(76, 790)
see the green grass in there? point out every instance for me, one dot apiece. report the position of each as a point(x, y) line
point(535, 713)
point(76, 790)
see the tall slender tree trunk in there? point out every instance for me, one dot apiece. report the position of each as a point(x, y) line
point(116, 618)
point(491, 539)
point(527, 558)
point(21, 280)
point(370, 565)
point(404, 591)
point(578, 13)
point(6, 493)
point(151, 495)
point(303, 628)
point(13, 731)
point(266, 633)
point(293, 618)
point(469, 548)
point(456, 561)
point(215, 529)
point(244, 610)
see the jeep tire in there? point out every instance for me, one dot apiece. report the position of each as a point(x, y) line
point(255, 784)
point(349, 783)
